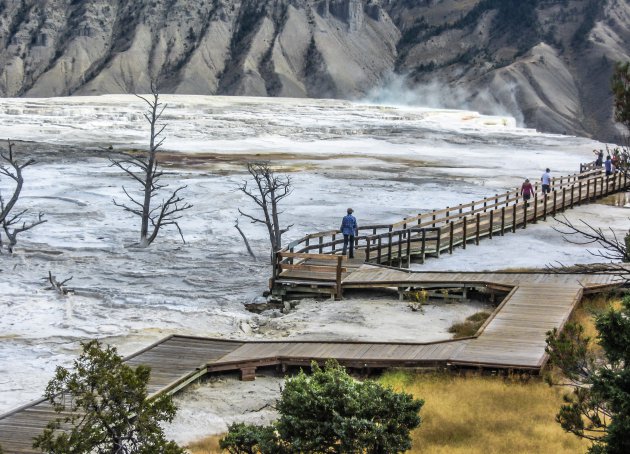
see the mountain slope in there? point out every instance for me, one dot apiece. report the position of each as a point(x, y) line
point(546, 61)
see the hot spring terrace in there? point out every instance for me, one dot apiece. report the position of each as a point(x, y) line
point(512, 338)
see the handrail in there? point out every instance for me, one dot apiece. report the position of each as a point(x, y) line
point(435, 217)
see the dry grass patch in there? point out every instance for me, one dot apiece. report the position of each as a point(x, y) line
point(594, 305)
point(470, 326)
point(485, 415)
point(209, 445)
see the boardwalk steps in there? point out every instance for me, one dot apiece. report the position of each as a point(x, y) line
point(513, 338)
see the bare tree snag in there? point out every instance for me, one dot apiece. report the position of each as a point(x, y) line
point(249, 249)
point(14, 172)
point(59, 287)
point(143, 169)
point(611, 248)
point(9, 221)
point(267, 191)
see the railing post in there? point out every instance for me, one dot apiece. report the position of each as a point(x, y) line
point(564, 200)
point(389, 248)
point(433, 225)
point(409, 250)
point(450, 239)
point(535, 220)
point(525, 203)
point(438, 245)
point(607, 189)
point(491, 223)
point(338, 294)
point(502, 221)
point(572, 192)
point(514, 218)
point(367, 250)
point(580, 193)
point(334, 246)
point(478, 226)
point(378, 253)
point(400, 238)
point(545, 206)
point(424, 244)
point(465, 232)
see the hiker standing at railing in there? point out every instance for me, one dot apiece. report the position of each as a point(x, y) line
point(546, 182)
point(527, 190)
point(608, 165)
point(600, 158)
point(349, 230)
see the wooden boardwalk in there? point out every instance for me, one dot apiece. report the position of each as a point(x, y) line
point(512, 338)
point(313, 265)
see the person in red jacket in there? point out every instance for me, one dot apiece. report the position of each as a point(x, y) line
point(527, 191)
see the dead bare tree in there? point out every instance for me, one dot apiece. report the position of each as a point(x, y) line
point(613, 250)
point(58, 286)
point(13, 223)
point(143, 168)
point(267, 191)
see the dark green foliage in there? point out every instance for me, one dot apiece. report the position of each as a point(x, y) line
point(250, 439)
point(598, 408)
point(621, 93)
point(105, 404)
point(330, 412)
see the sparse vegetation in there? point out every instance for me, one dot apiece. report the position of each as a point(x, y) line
point(470, 326)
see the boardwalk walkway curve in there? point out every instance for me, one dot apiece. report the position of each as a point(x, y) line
point(512, 338)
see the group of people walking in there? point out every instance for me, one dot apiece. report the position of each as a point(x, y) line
point(528, 191)
point(612, 163)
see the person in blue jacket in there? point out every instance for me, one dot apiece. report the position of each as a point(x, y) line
point(349, 230)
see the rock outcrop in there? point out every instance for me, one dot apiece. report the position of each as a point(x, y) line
point(547, 62)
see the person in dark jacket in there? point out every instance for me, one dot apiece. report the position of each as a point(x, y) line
point(349, 230)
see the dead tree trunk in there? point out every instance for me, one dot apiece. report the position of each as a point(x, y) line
point(144, 169)
point(9, 221)
point(267, 192)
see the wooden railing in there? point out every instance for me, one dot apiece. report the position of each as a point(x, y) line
point(296, 262)
point(441, 230)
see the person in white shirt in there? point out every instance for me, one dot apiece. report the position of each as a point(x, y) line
point(546, 182)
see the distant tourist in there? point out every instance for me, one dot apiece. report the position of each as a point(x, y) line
point(546, 182)
point(527, 190)
point(349, 230)
point(600, 158)
point(608, 166)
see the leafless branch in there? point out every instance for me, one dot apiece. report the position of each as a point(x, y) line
point(58, 286)
point(267, 191)
point(249, 249)
point(143, 168)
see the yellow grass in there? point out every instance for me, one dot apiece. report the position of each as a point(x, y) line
point(476, 414)
point(209, 445)
point(594, 305)
point(485, 415)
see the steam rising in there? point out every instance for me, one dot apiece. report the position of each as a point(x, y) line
point(398, 90)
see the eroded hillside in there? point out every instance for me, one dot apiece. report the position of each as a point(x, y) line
point(548, 62)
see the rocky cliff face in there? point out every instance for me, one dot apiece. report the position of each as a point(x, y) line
point(548, 61)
